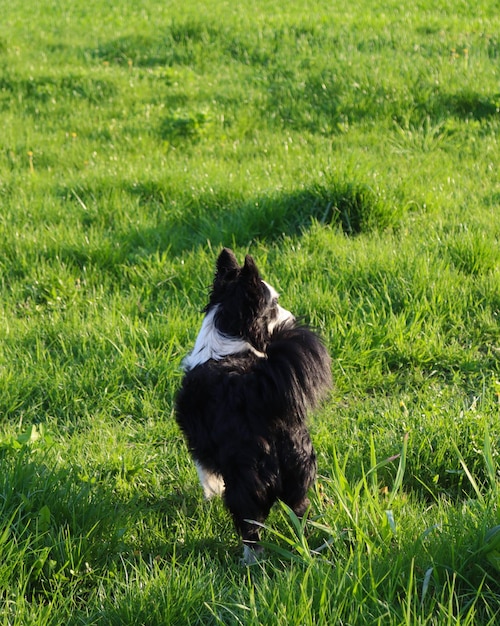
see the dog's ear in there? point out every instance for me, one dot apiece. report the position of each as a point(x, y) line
point(226, 263)
point(249, 271)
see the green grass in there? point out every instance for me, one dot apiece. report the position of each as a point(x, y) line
point(353, 150)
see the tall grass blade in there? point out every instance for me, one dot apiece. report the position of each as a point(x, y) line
point(398, 481)
point(472, 480)
point(490, 465)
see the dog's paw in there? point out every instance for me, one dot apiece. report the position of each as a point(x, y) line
point(252, 555)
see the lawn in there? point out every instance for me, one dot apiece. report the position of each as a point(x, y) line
point(353, 149)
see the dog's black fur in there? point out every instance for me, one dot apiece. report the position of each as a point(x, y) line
point(244, 413)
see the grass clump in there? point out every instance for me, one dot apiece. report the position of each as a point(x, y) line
point(351, 150)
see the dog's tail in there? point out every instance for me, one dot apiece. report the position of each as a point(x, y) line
point(298, 368)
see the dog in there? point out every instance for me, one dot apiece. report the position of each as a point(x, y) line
point(248, 384)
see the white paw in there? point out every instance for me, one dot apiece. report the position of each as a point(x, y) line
point(252, 555)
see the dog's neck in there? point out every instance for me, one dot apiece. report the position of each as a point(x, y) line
point(212, 344)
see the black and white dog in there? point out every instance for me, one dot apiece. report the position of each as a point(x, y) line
point(249, 381)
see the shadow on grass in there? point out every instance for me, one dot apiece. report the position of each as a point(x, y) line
point(44, 89)
point(60, 528)
point(319, 101)
point(181, 224)
point(218, 217)
point(470, 105)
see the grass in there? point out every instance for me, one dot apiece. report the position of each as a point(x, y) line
point(353, 151)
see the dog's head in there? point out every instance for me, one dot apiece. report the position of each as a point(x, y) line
point(245, 306)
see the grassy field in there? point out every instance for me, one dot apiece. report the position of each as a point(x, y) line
point(353, 149)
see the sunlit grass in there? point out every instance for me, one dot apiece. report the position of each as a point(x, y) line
point(353, 150)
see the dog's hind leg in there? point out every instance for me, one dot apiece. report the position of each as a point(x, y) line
point(249, 508)
point(212, 484)
point(298, 473)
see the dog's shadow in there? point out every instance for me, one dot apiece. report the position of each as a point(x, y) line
point(181, 524)
point(76, 514)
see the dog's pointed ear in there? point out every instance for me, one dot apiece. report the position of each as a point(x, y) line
point(226, 263)
point(249, 270)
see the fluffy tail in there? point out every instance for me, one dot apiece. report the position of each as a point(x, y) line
point(299, 366)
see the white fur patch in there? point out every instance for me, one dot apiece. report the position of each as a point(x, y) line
point(272, 291)
point(213, 485)
point(251, 555)
point(212, 344)
point(283, 316)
